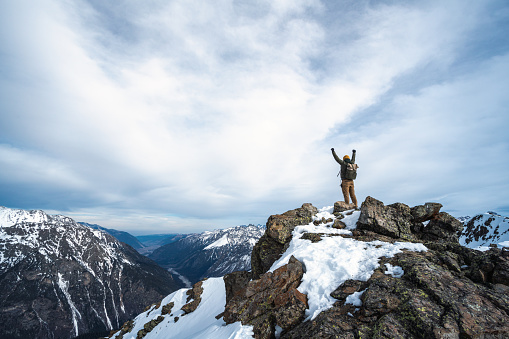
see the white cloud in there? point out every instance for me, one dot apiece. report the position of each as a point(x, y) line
point(205, 110)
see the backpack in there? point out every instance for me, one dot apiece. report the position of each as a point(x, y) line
point(351, 171)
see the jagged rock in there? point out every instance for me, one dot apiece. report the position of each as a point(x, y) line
point(167, 308)
point(235, 283)
point(280, 226)
point(425, 212)
point(341, 206)
point(149, 327)
point(193, 298)
point(433, 299)
point(399, 221)
point(443, 227)
point(126, 328)
point(272, 299)
point(278, 235)
point(348, 287)
point(394, 220)
point(265, 253)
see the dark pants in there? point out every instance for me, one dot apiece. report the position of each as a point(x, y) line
point(348, 189)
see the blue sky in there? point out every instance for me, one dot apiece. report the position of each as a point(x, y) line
point(182, 116)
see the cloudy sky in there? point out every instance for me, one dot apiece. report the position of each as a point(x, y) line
point(186, 115)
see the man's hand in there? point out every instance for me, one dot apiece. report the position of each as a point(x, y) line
point(332, 149)
point(354, 151)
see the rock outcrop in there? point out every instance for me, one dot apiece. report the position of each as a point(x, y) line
point(278, 235)
point(399, 221)
point(266, 302)
point(434, 298)
point(447, 292)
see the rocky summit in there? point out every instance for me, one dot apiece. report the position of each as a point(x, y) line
point(386, 271)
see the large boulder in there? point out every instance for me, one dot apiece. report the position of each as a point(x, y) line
point(394, 220)
point(281, 226)
point(278, 235)
point(271, 300)
point(399, 221)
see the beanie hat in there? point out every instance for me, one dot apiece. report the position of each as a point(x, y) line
point(346, 157)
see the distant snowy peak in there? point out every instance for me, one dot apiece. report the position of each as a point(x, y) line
point(233, 236)
point(10, 217)
point(211, 253)
point(486, 229)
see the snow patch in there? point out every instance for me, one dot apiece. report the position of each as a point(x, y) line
point(335, 259)
point(395, 271)
point(218, 243)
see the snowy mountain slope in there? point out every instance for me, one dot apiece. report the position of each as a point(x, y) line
point(201, 323)
point(211, 253)
point(60, 279)
point(329, 263)
point(485, 229)
point(122, 236)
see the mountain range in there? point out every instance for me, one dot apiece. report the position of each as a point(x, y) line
point(211, 253)
point(61, 279)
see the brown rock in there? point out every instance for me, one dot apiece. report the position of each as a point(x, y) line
point(235, 284)
point(394, 220)
point(193, 298)
point(278, 235)
point(272, 299)
point(280, 226)
point(348, 287)
point(339, 224)
point(313, 237)
point(341, 206)
point(425, 212)
point(167, 308)
point(443, 227)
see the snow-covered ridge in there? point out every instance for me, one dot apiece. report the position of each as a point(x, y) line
point(37, 230)
point(328, 263)
point(334, 259)
point(10, 217)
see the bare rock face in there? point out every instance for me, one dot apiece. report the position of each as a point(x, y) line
point(280, 226)
point(271, 300)
point(399, 221)
point(278, 235)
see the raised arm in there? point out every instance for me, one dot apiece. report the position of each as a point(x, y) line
point(341, 162)
point(353, 156)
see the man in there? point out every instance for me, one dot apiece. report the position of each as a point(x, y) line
point(346, 184)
